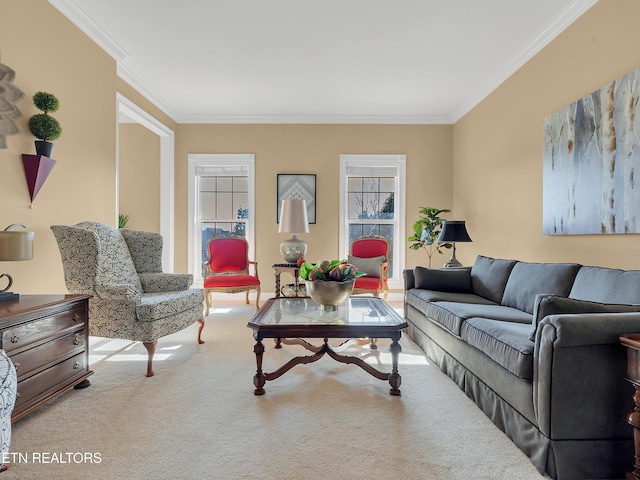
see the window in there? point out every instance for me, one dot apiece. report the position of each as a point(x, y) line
point(372, 203)
point(221, 203)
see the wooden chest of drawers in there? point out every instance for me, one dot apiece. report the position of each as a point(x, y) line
point(47, 339)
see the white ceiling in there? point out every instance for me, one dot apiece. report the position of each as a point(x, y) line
point(322, 61)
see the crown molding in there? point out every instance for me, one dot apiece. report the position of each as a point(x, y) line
point(77, 16)
point(570, 15)
point(146, 91)
point(316, 119)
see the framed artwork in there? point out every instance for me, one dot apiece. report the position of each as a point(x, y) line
point(591, 159)
point(301, 186)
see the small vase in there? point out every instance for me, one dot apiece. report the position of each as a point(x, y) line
point(44, 148)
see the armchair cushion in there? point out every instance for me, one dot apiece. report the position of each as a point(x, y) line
point(145, 249)
point(165, 282)
point(230, 281)
point(368, 283)
point(370, 265)
point(154, 306)
point(118, 291)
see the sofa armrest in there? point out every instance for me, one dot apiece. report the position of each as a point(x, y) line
point(409, 279)
point(579, 366)
point(165, 282)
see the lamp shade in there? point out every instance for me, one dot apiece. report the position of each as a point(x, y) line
point(454, 231)
point(293, 216)
point(16, 245)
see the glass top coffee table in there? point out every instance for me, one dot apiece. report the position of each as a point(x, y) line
point(301, 317)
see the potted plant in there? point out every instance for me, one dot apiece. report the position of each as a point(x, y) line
point(329, 283)
point(427, 230)
point(42, 125)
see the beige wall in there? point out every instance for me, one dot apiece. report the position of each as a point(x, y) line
point(48, 53)
point(139, 176)
point(498, 145)
point(316, 149)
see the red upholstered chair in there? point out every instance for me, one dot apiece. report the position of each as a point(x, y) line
point(227, 269)
point(371, 256)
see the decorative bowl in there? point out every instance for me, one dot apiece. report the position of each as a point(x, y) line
point(329, 294)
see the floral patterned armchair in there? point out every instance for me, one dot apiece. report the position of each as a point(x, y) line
point(131, 298)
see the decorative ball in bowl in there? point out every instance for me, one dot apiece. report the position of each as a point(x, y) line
point(329, 283)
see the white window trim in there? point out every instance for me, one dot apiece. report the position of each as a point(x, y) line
point(195, 240)
point(399, 161)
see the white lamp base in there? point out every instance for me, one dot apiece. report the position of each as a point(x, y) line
point(293, 248)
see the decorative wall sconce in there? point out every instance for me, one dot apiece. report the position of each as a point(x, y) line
point(14, 246)
point(36, 168)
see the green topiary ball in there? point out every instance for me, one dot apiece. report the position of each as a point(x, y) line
point(47, 102)
point(44, 127)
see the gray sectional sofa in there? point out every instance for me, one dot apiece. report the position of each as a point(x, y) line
point(536, 347)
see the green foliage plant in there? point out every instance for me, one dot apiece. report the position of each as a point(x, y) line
point(122, 220)
point(426, 232)
point(42, 125)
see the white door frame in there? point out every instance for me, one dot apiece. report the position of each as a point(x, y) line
point(167, 140)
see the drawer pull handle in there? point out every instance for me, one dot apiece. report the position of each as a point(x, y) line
point(15, 338)
point(76, 341)
point(76, 317)
point(17, 395)
point(16, 365)
point(76, 365)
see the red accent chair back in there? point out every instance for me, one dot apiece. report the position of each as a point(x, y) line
point(363, 252)
point(227, 269)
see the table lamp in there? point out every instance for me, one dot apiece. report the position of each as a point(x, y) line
point(454, 231)
point(14, 246)
point(293, 219)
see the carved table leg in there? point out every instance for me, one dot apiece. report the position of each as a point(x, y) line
point(394, 379)
point(259, 378)
point(633, 418)
point(277, 274)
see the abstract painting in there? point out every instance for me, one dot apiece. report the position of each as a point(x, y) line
point(591, 163)
point(301, 186)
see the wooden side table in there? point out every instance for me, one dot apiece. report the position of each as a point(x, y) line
point(291, 268)
point(632, 342)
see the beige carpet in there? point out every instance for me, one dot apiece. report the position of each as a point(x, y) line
point(198, 418)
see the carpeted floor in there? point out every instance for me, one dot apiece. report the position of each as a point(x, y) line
point(198, 418)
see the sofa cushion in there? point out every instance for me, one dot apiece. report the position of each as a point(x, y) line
point(419, 298)
point(451, 315)
point(610, 285)
point(506, 343)
point(443, 279)
point(529, 279)
point(370, 266)
point(556, 305)
point(489, 277)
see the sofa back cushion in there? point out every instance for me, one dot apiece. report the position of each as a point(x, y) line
point(607, 285)
point(489, 277)
point(555, 305)
point(456, 280)
point(529, 279)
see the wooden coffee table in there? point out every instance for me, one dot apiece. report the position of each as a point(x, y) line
point(290, 320)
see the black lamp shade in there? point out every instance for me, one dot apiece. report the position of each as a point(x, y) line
point(454, 231)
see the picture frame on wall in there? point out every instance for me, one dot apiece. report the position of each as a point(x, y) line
point(297, 185)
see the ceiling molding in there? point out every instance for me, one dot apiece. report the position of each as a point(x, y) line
point(570, 15)
point(146, 91)
point(318, 119)
point(77, 16)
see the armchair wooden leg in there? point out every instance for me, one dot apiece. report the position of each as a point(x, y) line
point(151, 349)
point(247, 297)
point(200, 327)
point(257, 298)
point(207, 298)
